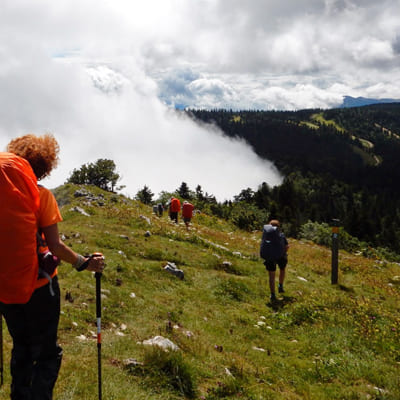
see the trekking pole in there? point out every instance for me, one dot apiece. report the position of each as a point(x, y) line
point(1, 351)
point(98, 316)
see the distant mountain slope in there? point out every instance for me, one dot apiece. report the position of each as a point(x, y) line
point(341, 163)
point(356, 145)
point(349, 101)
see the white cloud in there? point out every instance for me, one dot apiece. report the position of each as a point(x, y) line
point(372, 51)
point(306, 41)
point(208, 53)
point(124, 121)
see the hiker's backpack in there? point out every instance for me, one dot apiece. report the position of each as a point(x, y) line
point(175, 205)
point(272, 243)
point(19, 206)
point(187, 210)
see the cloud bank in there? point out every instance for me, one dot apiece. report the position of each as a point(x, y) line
point(96, 113)
point(109, 108)
point(105, 77)
point(279, 54)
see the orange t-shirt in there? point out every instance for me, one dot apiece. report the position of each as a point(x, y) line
point(49, 214)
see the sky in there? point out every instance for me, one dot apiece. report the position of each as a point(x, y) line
point(105, 77)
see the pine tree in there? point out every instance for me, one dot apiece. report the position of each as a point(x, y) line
point(145, 195)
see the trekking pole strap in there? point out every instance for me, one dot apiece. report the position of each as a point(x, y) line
point(84, 265)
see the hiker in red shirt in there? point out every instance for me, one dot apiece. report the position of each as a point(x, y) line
point(174, 208)
point(33, 322)
point(187, 213)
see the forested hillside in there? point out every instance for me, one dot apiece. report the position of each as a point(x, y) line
point(339, 163)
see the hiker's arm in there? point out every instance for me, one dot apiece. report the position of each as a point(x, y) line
point(57, 246)
point(65, 253)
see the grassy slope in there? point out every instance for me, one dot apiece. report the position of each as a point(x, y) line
point(320, 341)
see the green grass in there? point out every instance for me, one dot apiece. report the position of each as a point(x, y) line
point(319, 341)
point(319, 117)
point(365, 152)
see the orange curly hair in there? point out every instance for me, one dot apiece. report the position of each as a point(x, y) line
point(40, 151)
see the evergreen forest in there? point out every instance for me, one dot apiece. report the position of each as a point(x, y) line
point(339, 164)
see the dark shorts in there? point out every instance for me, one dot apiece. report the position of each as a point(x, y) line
point(270, 265)
point(187, 219)
point(174, 216)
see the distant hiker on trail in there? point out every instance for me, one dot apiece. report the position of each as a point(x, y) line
point(29, 302)
point(174, 208)
point(158, 209)
point(273, 250)
point(187, 213)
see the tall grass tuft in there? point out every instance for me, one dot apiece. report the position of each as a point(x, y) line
point(169, 369)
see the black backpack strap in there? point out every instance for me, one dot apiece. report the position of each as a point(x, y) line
point(40, 242)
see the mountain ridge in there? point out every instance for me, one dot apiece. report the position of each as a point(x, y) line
point(349, 101)
point(340, 163)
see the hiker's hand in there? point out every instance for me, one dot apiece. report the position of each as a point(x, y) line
point(96, 263)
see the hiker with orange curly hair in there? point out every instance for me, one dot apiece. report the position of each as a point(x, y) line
point(29, 300)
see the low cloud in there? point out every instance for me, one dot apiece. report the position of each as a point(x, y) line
point(104, 77)
point(100, 113)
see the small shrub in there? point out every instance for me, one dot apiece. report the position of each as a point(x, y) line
point(321, 233)
point(170, 369)
point(326, 369)
point(232, 289)
point(316, 232)
point(247, 216)
point(228, 267)
point(153, 254)
point(304, 314)
point(300, 314)
point(229, 387)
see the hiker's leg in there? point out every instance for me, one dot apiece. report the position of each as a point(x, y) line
point(46, 352)
point(36, 357)
point(271, 268)
point(21, 364)
point(45, 372)
point(282, 272)
point(21, 367)
point(186, 220)
point(282, 269)
point(272, 281)
point(174, 216)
